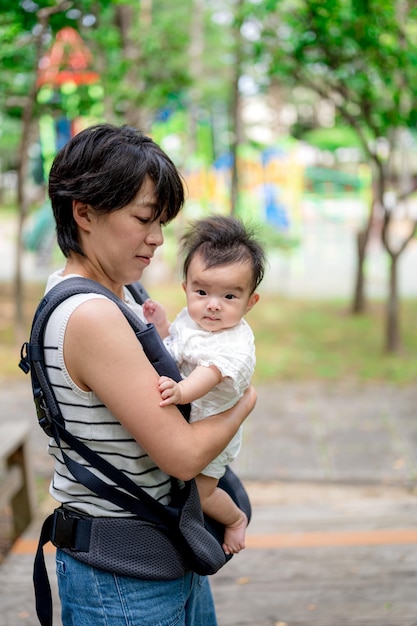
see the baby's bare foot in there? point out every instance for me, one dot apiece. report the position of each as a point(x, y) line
point(234, 535)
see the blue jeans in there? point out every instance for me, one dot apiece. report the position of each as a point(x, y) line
point(92, 597)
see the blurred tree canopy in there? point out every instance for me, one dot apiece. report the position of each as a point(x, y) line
point(359, 56)
point(149, 56)
point(137, 57)
point(151, 60)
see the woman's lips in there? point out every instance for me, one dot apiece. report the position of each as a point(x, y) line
point(145, 259)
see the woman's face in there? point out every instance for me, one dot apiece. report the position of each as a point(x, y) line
point(122, 243)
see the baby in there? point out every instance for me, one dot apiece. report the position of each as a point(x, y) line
point(213, 345)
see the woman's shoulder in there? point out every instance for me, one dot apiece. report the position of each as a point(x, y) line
point(58, 277)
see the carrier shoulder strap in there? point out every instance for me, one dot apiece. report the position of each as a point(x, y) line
point(138, 291)
point(32, 354)
point(133, 498)
point(124, 493)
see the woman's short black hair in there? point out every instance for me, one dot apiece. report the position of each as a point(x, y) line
point(105, 166)
point(223, 240)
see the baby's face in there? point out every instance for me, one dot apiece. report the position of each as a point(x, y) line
point(218, 297)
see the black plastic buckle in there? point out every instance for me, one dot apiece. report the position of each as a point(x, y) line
point(63, 529)
point(71, 531)
point(24, 362)
point(43, 414)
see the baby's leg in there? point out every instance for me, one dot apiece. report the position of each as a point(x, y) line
point(217, 504)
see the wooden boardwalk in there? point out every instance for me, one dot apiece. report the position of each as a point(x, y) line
point(333, 538)
point(317, 555)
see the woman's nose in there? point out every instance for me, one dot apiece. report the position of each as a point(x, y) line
point(155, 236)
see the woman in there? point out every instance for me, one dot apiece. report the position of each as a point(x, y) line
point(112, 190)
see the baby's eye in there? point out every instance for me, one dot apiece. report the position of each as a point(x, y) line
point(201, 292)
point(230, 296)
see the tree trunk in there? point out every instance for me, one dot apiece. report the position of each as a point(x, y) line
point(130, 19)
point(393, 335)
point(362, 239)
point(359, 302)
point(23, 205)
point(393, 342)
point(234, 148)
point(236, 130)
point(196, 50)
point(22, 168)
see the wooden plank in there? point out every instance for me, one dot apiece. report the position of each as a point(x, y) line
point(11, 483)
point(12, 435)
point(16, 478)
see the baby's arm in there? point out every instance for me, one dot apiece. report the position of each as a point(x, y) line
point(155, 314)
point(197, 384)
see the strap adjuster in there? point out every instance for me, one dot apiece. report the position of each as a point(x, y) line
point(70, 531)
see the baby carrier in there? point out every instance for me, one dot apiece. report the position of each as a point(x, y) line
point(158, 541)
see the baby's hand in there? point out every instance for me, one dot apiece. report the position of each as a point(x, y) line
point(153, 311)
point(170, 391)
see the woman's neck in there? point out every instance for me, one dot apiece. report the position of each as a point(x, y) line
point(82, 267)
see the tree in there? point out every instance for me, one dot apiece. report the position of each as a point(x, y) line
point(141, 50)
point(145, 64)
point(236, 104)
point(28, 47)
point(129, 75)
point(359, 55)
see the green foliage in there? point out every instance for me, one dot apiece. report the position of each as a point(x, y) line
point(275, 239)
point(144, 60)
point(9, 142)
point(332, 138)
point(360, 55)
point(146, 64)
point(156, 69)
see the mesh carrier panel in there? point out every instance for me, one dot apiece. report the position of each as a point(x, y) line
point(131, 547)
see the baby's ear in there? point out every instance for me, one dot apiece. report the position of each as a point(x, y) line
point(184, 285)
point(252, 301)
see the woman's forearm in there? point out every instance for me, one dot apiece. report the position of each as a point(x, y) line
point(211, 435)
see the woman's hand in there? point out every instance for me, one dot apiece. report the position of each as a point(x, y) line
point(250, 397)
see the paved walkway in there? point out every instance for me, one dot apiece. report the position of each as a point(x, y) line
point(333, 541)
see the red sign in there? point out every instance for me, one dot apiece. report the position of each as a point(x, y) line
point(68, 61)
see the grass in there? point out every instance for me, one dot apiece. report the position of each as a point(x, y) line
point(322, 340)
point(296, 340)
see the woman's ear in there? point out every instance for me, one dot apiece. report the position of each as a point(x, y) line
point(82, 214)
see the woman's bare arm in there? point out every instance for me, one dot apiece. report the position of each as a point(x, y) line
point(102, 354)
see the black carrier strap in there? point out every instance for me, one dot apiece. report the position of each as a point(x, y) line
point(69, 531)
point(126, 494)
point(44, 397)
point(138, 292)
